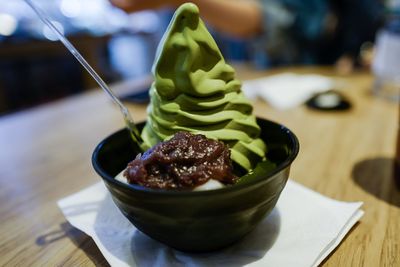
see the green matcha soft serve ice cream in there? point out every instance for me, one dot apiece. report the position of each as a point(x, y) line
point(195, 90)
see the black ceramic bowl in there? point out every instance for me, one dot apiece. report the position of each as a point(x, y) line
point(200, 220)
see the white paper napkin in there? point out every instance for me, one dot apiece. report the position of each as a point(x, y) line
point(287, 90)
point(302, 230)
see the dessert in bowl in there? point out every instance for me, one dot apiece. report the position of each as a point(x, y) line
point(199, 220)
point(195, 91)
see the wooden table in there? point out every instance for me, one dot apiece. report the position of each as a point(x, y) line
point(45, 155)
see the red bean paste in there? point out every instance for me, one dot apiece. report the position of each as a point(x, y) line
point(183, 162)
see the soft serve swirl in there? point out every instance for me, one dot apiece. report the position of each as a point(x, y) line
point(196, 91)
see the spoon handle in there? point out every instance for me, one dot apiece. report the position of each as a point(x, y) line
point(127, 117)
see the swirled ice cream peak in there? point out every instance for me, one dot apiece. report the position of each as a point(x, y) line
point(195, 90)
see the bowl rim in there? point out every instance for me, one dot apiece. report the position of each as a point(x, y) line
point(137, 189)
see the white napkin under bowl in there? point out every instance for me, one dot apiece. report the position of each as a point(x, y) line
point(291, 235)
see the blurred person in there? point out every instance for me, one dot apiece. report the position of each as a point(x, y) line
point(283, 32)
point(224, 15)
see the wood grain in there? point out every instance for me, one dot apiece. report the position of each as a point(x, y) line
point(45, 155)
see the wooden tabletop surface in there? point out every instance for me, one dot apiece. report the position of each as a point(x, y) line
point(45, 155)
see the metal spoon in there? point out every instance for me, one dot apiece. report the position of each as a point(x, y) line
point(130, 124)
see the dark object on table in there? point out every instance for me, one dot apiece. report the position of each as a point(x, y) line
point(329, 101)
point(199, 220)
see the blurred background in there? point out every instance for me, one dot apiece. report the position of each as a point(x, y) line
point(35, 68)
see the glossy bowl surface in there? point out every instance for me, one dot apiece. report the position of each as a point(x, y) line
point(200, 220)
